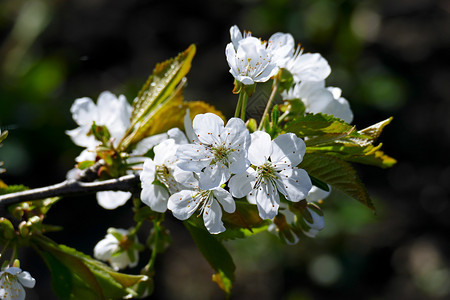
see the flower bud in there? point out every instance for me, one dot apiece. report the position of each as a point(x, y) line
point(6, 228)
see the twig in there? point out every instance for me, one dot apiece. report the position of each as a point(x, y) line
point(72, 187)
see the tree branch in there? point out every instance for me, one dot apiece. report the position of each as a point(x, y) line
point(72, 187)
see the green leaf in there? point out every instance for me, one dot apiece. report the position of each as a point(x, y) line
point(311, 125)
point(77, 276)
point(216, 255)
point(172, 115)
point(320, 184)
point(369, 154)
point(375, 130)
point(162, 87)
point(337, 173)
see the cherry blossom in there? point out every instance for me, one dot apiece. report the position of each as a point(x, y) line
point(209, 203)
point(249, 60)
point(275, 170)
point(319, 99)
point(110, 111)
point(12, 283)
point(217, 151)
point(115, 248)
point(163, 169)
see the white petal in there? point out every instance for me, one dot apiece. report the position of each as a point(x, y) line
point(236, 135)
point(241, 184)
point(120, 261)
point(281, 45)
point(84, 111)
point(13, 271)
point(86, 154)
point(13, 290)
point(260, 148)
point(225, 199)
point(185, 178)
point(182, 204)
point(208, 128)
point(105, 248)
point(80, 138)
point(213, 176)
point(269, 71)
point(316, 194)
point(188, 128)
point(193, 157)
point(318, 220)
point(235, 35)
point(310, 67)
point(238, 162)
point(177, 135)
point(295, 184)
point(267, 200)
point(287, 149)
point(212, 216)
point(148, 143)
point(147, 175)
point(245, 80)
point(166, 150)
point(112, 199)
point(155, 196)
point(26, 280)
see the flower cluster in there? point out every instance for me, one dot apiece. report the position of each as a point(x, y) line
point(224, 162)
point(252, 60)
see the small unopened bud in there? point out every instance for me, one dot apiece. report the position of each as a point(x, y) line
point(23, 229)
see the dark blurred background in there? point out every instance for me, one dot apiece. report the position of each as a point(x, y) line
point(391, 58)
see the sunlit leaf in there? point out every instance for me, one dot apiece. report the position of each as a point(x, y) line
point(337, 173)
point(369, 154)
point(313, 125)
point(172, 115)
point(163, 86)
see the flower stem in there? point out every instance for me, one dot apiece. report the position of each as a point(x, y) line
point(149, 269)
point(135, 229)
point(4, 249)
point(244, 104)
point(269, 103)
point(239, 105)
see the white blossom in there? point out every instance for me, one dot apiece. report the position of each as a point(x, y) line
point(170, 178)
point(114, 249)
point(110, 111)
point(319, 99)
point(275, 171)
point(217, 151)
point(249, 60)
point(209, 203)
point(12, 283)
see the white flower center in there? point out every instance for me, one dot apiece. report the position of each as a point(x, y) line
point(203, 198)
point(221, 154)
point(266, 174)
